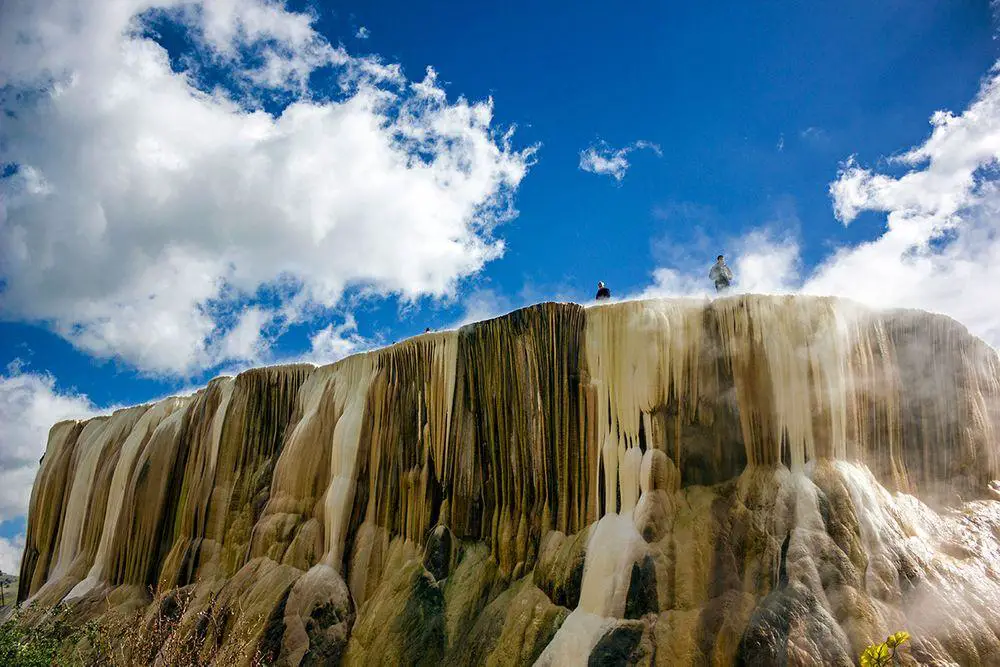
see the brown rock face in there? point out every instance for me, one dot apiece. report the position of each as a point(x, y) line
point(752, 480)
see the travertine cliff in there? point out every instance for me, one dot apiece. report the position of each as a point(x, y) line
point(752, 480)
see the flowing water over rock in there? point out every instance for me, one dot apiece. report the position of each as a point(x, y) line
point(753, 480)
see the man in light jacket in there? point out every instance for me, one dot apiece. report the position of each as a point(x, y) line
point(720, 274)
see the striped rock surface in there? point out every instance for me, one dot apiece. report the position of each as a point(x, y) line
point(750, 480)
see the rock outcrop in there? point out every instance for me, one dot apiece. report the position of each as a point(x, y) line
point(752, 480)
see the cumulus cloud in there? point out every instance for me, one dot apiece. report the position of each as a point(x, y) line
point(245, 340)
point(940, 250)
point(30, 404)
point(337, 341)
point(602, 159)
point(483, 304)
point(10, 554)
point(147, 209)
point(764, 261)
point(363, 33)
point(941, 247)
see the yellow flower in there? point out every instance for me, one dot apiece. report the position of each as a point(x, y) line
point(875, 656)
point(895, 640)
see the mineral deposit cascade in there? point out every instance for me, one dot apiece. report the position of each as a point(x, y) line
point(750, 480)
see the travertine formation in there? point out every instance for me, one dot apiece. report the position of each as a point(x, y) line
point(752, 480)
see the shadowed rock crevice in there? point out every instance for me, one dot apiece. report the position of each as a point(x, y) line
point(622, 645)
point(642, 590)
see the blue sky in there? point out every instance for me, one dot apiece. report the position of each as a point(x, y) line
point(191, 190)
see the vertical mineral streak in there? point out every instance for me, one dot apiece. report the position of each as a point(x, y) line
point(204, 436)
point(516, 431)
point(46, 508)
point(350, 389)
point(260, 411)
point(641, 355)
point(137, 438)
point(97, 443)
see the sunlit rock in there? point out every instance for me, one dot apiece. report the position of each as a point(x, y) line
point(751, 480)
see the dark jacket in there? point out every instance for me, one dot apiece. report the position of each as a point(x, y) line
point(603, 293)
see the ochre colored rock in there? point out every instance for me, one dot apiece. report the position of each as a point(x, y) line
point(468, 589)
point(437, 553)
point(623, 644)
point(319, 615)
point(513, 629)
point(402, 623)
point(559, 572)
point(750, 480)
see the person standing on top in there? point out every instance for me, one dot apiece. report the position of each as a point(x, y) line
point(720, 274)
point(602, 292)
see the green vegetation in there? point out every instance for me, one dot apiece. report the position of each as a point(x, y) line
point(8, 589)
point(52, 640)
point(59, 637)
point(881, 655)
point(28, 647)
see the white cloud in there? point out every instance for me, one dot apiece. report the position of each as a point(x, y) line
point(602, 159)
point(941, 248)
point(940, 251)
point(336, 342)
point(767, 262)
point(245, 340)
point(363, 33)
point(144, 209)
point(764, 262)
point(11, 550)
point(29, 405)
point(482, 304)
